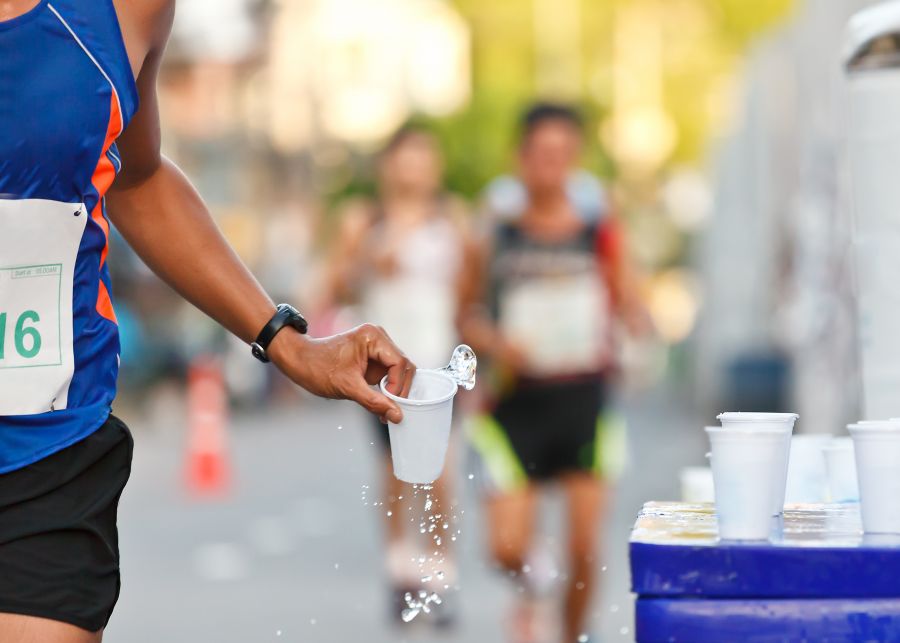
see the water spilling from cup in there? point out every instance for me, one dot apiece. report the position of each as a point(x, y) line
point(462, 367)
point(419, 442)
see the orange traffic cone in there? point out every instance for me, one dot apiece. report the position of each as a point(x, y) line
point(208, 470)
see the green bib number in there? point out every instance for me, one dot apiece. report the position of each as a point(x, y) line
point(21, 333)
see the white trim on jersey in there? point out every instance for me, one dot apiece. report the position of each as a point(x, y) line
point(97, 64)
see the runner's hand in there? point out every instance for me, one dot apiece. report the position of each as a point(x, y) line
point(510, 356)
point(344, 366)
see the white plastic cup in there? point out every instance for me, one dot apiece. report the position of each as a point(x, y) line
point(697, 485)
point(840, 467)
point(419, 442)
point(807, 480)
point(746, 464)
point(876, 446)
point(783, 422)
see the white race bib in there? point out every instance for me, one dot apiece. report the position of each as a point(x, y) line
point(562, 323)
point(39, 242)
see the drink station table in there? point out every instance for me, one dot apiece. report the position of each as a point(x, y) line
point(818, 579)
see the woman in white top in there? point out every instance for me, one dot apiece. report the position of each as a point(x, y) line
point(399, 258)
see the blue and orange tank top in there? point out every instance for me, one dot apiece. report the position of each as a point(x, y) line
point(66, 93)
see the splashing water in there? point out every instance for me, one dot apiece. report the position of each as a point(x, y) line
point(419, 604)
point(431, 572)
point(462, 367)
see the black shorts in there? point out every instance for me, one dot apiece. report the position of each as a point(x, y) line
point(59, 547)
point(541, 430)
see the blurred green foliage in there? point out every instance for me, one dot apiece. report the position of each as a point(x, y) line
point(701, 43)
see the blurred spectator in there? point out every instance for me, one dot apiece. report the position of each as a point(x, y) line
point(540, 303)
point(399, 256)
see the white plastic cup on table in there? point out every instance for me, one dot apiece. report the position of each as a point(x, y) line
point(783, 422)
point(419, 442)
point(876, 446)
point(840, 467)
point(746, 465)
point(696, 484)
point(807, 479)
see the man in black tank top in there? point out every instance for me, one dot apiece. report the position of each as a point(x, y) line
point(540, 304)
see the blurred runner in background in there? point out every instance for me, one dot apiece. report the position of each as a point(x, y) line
point(539, 302)
point(399, 257)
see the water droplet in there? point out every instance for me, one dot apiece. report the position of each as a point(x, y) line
point(440, 575)
point(425, 579)
point(526, 569)
point(613, 608)
point(471, 476)
point(277, 632)
point(336, 565)
point(409, 614)
point(579, 586)
point(623, 631)
point(583, 638)
point(604, 568)
point(312, 621)
point(390, 513)
point(340, 427)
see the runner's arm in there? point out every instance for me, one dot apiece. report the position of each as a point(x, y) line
point(164, 219)
point(623, 283)
point(473, 321)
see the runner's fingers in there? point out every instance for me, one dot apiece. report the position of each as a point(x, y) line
point(408, 376)
point(374, 402)
point(381, 349)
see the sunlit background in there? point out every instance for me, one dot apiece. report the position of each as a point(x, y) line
point(715, 127)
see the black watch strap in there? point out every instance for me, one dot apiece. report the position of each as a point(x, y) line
point(285, 315)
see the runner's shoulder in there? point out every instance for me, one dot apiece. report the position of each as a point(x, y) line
point(146, 24)
point(356, 216)
point(148, 12)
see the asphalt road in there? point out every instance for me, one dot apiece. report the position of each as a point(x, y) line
point(293, 553)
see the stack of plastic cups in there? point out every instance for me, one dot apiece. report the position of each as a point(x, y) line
point(876, 446)
point(749, 455)
point(840, 467)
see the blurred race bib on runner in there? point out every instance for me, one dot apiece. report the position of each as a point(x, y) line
point(38, 248)
point(561, 323)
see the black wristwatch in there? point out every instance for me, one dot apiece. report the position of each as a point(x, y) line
point(285, 315)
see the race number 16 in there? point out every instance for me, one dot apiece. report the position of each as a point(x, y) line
point(25, 335)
